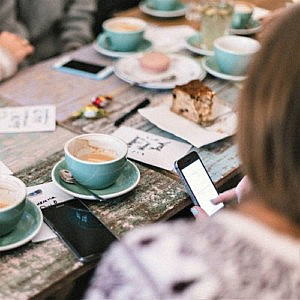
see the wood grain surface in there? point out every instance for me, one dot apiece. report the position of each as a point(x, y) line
point(38, 270)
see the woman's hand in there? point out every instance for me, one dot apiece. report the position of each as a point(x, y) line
point(236, 194)
point(17, 47)
point(232, 195)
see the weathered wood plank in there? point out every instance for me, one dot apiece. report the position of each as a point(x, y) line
point(21, 150)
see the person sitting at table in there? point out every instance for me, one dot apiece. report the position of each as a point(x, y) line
point(13, 50)
point(251, 252)
point(52, 27)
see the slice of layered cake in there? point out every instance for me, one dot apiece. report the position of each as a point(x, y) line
point(193, 101)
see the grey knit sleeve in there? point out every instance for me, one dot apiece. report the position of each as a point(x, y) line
point(8, 19)
point(78, 23)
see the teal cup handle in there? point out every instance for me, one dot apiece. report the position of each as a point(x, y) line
point(104, 40)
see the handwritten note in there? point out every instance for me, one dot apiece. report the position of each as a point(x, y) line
point(27, 119)
point(150, 148)
point(44, 195)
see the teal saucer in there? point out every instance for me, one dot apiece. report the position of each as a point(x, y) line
point(253, 27)
point(148, 8)
point(26, 229)
point(103, 46)
point(210, 65)
point(127, 181)
point(194, 44)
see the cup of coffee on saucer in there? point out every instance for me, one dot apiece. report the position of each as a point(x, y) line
point(233, 53)
point(124, 34)
point(242, 15)
point(163, 4)
point(96, 160)
point(12, 202)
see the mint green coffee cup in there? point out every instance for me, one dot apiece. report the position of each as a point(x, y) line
point(96, 160)
point(233, 53)
point(12, 202)
point(163, 4)
point(124, 34)
point(242, 14)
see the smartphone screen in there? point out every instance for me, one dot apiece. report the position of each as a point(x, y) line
point(83, 66)
point(200, 185)
point(79, 228)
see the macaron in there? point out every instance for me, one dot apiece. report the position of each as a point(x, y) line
point(155, 62)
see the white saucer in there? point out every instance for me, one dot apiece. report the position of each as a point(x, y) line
point(182, 67)
point(179, 11)
point(193, 43)
point(210, 65)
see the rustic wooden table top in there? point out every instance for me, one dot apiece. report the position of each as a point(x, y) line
point(37, 270)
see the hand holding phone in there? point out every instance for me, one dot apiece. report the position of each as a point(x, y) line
point(79, 228)
point(78, 67)
point(197, 182)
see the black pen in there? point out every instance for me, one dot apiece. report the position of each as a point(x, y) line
point(144, 103)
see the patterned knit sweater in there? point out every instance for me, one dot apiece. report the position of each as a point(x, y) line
point(228, 256)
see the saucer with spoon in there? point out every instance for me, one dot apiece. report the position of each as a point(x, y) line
point(126, 182)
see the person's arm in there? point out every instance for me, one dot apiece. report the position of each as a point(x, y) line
point(8, 65)
point(77, 25)
point(121, 275)
point(13, 50)
point(8, 19)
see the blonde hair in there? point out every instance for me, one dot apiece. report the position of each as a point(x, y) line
point(269, 117)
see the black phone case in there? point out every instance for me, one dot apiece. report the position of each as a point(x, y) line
point(49, 222)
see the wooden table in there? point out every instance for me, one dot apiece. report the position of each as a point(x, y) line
point(38, 270)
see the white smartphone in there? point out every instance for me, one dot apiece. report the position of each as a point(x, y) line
point(197, 182)
point(82, 68)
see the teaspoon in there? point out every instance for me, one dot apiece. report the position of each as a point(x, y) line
point(67, 177)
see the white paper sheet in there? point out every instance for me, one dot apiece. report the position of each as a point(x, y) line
point(150, 148)
point(198, 136)
point(27, 118)
point(4, 169)
point(44, 195)
point(169, 39)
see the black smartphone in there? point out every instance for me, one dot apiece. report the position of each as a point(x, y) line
point(78, 67)
point(197, 182)
point(79, 228)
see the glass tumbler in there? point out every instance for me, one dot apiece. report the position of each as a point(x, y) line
point(215, 17)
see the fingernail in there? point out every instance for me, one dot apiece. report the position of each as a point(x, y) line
point(213, 201)
point(194, 211)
